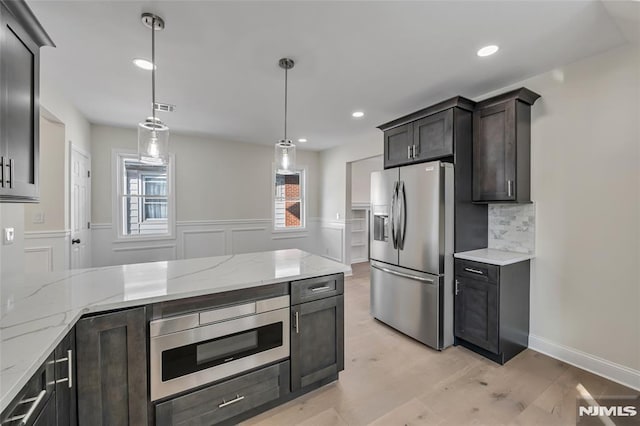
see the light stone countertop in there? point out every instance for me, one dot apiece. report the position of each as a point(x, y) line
point(494, 257)
point(37, 311)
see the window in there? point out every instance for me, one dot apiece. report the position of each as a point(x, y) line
point(144, 197)
point(289, 201)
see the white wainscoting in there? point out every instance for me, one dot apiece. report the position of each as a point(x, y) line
point(205, 238)
point(46, 251)
point(331, 240)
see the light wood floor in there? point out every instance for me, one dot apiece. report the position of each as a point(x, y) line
point(390, 379)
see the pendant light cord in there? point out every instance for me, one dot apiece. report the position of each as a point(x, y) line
point(153, 70)
point(286, 71)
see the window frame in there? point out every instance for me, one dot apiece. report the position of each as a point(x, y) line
point(303, 201)
point(117, 159)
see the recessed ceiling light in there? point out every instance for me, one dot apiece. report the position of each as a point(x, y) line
point(143, 63)
point(302, 140)
point(358, 114)
point(488, 50)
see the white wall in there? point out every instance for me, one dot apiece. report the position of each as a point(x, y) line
point(585, 139)
point(361, 178)
point(333, 165)
point(52, 180)
point(46, 247)
point(223, 199)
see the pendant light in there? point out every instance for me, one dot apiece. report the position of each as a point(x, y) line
point(153, 134)
point(285, 149)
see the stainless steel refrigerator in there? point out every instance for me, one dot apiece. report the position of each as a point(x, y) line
point(411, 243)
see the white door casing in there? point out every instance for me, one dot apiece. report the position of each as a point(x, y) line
point(80, 209)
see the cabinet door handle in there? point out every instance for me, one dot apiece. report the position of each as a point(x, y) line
point(414, 151)
point(36, 402)
point(1, 172)
point(11, 167)
point(323, 288)
point(474, 271)
point(509, 188)
point(238, 398)
point(296, 323)
point(70, 367)
point(457, 290)
point(409, 152)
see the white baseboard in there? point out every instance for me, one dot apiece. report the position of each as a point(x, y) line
point(594, 364)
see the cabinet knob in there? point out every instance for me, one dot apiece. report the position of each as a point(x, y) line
point(75, 241)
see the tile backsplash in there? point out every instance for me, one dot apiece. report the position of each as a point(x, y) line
point(512, 227)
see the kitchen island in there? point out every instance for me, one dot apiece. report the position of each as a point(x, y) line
point(37, 312)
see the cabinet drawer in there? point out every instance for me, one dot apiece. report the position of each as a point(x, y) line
point(226, 400)
point(477, 270)
point(33, 397)
point(316, 288)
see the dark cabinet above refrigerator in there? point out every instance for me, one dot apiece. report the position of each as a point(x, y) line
point(425, 135)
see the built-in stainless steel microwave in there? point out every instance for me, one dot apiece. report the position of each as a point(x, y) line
point(191, 350)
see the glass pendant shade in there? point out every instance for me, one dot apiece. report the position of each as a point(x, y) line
point(153, 141)
point(285, 157)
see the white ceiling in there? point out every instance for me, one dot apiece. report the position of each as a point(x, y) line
point(217, 61)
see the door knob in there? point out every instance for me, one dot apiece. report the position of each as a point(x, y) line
point(75, 241)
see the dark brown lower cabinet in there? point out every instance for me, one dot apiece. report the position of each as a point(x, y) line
point(47, 416)
point(477, 312)
point(224, 402)
point(112, 368)
point(317, 341)
point(492, 308)
point(65, 374)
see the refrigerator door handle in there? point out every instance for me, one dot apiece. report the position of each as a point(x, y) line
point(402, 274)
point(393, 215)
point(402, 215)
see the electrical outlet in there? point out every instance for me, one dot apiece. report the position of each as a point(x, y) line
point(9, 235)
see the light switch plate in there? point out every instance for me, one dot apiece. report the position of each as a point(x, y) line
point(9, 235)
point(38, 217)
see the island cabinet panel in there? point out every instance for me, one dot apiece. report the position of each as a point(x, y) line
point(227, 402)
point(65, 374)
point(48, 415)
point(35, 403)
point(317, 341)
point(112, 368)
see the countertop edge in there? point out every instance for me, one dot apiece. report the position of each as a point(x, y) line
point(517, 257)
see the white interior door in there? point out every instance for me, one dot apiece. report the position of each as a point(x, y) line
point(80, 209)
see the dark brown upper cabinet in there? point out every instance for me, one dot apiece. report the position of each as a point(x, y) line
point(425, 135)
point(21, 37)
point(433, 136)
point(397, 145)
point(502, 148)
